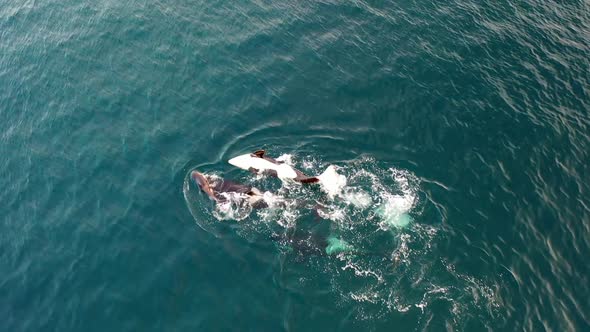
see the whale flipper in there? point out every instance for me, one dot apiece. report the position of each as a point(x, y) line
point(307, 179)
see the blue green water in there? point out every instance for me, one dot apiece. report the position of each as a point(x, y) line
point(477, 114)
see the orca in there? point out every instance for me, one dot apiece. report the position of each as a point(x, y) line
point(257, 162)
point(304, 243)
point(214, 188)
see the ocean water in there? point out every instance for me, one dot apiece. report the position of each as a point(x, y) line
point(462, 128)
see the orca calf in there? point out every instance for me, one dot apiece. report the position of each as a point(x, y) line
point(215, 189)
point(257, 162)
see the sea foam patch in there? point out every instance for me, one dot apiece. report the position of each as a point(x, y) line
point(394, 209)
point(372, 231)
point(332, 182)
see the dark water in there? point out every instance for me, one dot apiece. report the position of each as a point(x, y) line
point(479, 110)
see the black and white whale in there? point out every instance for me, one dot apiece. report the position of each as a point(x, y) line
point(306, 243)
point(218, 189)
point(257, 162)
point(221, 191)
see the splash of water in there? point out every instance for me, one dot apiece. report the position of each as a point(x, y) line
point(331, 182)
point(376, 235)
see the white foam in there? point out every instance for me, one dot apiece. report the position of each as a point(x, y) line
point(359, 199)
point(332, 213)
point(332, 182)
point(235, 207)
point(286, 158)
point(272, 200)
point(393, 210)
point(308, 164)
point(398, 203)
point(360, 206)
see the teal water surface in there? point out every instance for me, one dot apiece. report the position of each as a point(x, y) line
point(470, 119)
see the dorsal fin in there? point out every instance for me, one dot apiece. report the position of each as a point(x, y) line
point(259, 153)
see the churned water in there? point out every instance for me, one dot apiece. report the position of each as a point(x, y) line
point(461, 130)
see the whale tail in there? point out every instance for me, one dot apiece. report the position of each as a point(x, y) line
point(328, 176)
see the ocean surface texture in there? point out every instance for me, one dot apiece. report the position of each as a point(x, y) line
point(460, 129)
